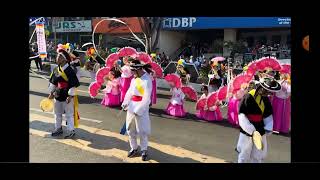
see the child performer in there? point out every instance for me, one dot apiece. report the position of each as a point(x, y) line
point(112, 92)
point(175, 106)
point(209, 114)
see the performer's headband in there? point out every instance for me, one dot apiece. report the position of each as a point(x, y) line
point(62, 55)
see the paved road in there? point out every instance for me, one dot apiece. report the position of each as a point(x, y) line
point(172, 139)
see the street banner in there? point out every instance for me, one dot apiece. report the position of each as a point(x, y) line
point(41, 40)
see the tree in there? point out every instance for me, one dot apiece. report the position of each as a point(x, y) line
point(151, 26)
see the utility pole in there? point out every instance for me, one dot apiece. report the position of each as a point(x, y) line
point(54, 24)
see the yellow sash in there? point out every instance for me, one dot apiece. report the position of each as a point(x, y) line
point(75, 99)
point(258, 99)
point(62, 74)
point(139, 86)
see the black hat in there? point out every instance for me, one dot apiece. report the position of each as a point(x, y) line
point(135, 64)
point(270, 84)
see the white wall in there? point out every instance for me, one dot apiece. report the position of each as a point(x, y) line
point(170, 41)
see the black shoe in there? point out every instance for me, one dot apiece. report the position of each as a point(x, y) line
point(144, 156)
point(72, 133)
point(57, 132)
point(132, 153)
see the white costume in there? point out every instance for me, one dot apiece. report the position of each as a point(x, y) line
point(137, 100)
point(177, 96)
point(252, 118)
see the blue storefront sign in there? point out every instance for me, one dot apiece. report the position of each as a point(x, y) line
point(191, 23)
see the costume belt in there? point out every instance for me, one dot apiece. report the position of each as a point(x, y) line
point(136, 98)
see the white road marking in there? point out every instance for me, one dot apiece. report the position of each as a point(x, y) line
point(118, 153)
point(81, 118)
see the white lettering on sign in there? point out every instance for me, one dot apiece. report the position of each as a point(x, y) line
point(192, 20)
point(184, 22)
point(73, 26)
point(179, 22)
point(284, 21)
point(176, 22)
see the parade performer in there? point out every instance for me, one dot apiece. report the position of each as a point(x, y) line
point(183, 72)
point(175, 106)
point(112, 92)
point(209, 114)
point(92, 64)
point(281, 105)
point(126, 77)
point(63, 84)
point(136, 101)
point(255, 117)
point(216, 80)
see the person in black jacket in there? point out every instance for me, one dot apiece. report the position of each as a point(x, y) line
point(255, 114)
point(63, 81)
point(37, 60)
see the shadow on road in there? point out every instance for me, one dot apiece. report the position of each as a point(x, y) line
point(82, 99)
point(105, 142)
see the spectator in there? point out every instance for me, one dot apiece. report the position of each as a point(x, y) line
point(37, 60)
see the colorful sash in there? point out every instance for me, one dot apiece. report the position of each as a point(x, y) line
point(76, 115)
point(258, 100)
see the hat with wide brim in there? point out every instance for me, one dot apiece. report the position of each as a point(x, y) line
point(270, 84)
point(136, 64)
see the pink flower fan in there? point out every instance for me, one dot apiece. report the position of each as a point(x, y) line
point(212, 99)
point(144, 57)
point(127, 51)
point(201, 103)
point(94, 89)
point(111, 59)
point(189, 92)
point(101, 73)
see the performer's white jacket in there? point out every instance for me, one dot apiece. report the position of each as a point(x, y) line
point(248, 153)
point(177, 96)
point(140, 108)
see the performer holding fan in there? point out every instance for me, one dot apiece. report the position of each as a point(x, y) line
point(255, 120)
point(212, 113)
point(112, 92)
point(63, 82)
point(175, 106)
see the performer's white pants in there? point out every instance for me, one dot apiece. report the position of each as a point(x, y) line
point(248, 153)
point(67, 109)
point(138, 126)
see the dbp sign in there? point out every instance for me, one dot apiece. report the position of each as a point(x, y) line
point(179, 22)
